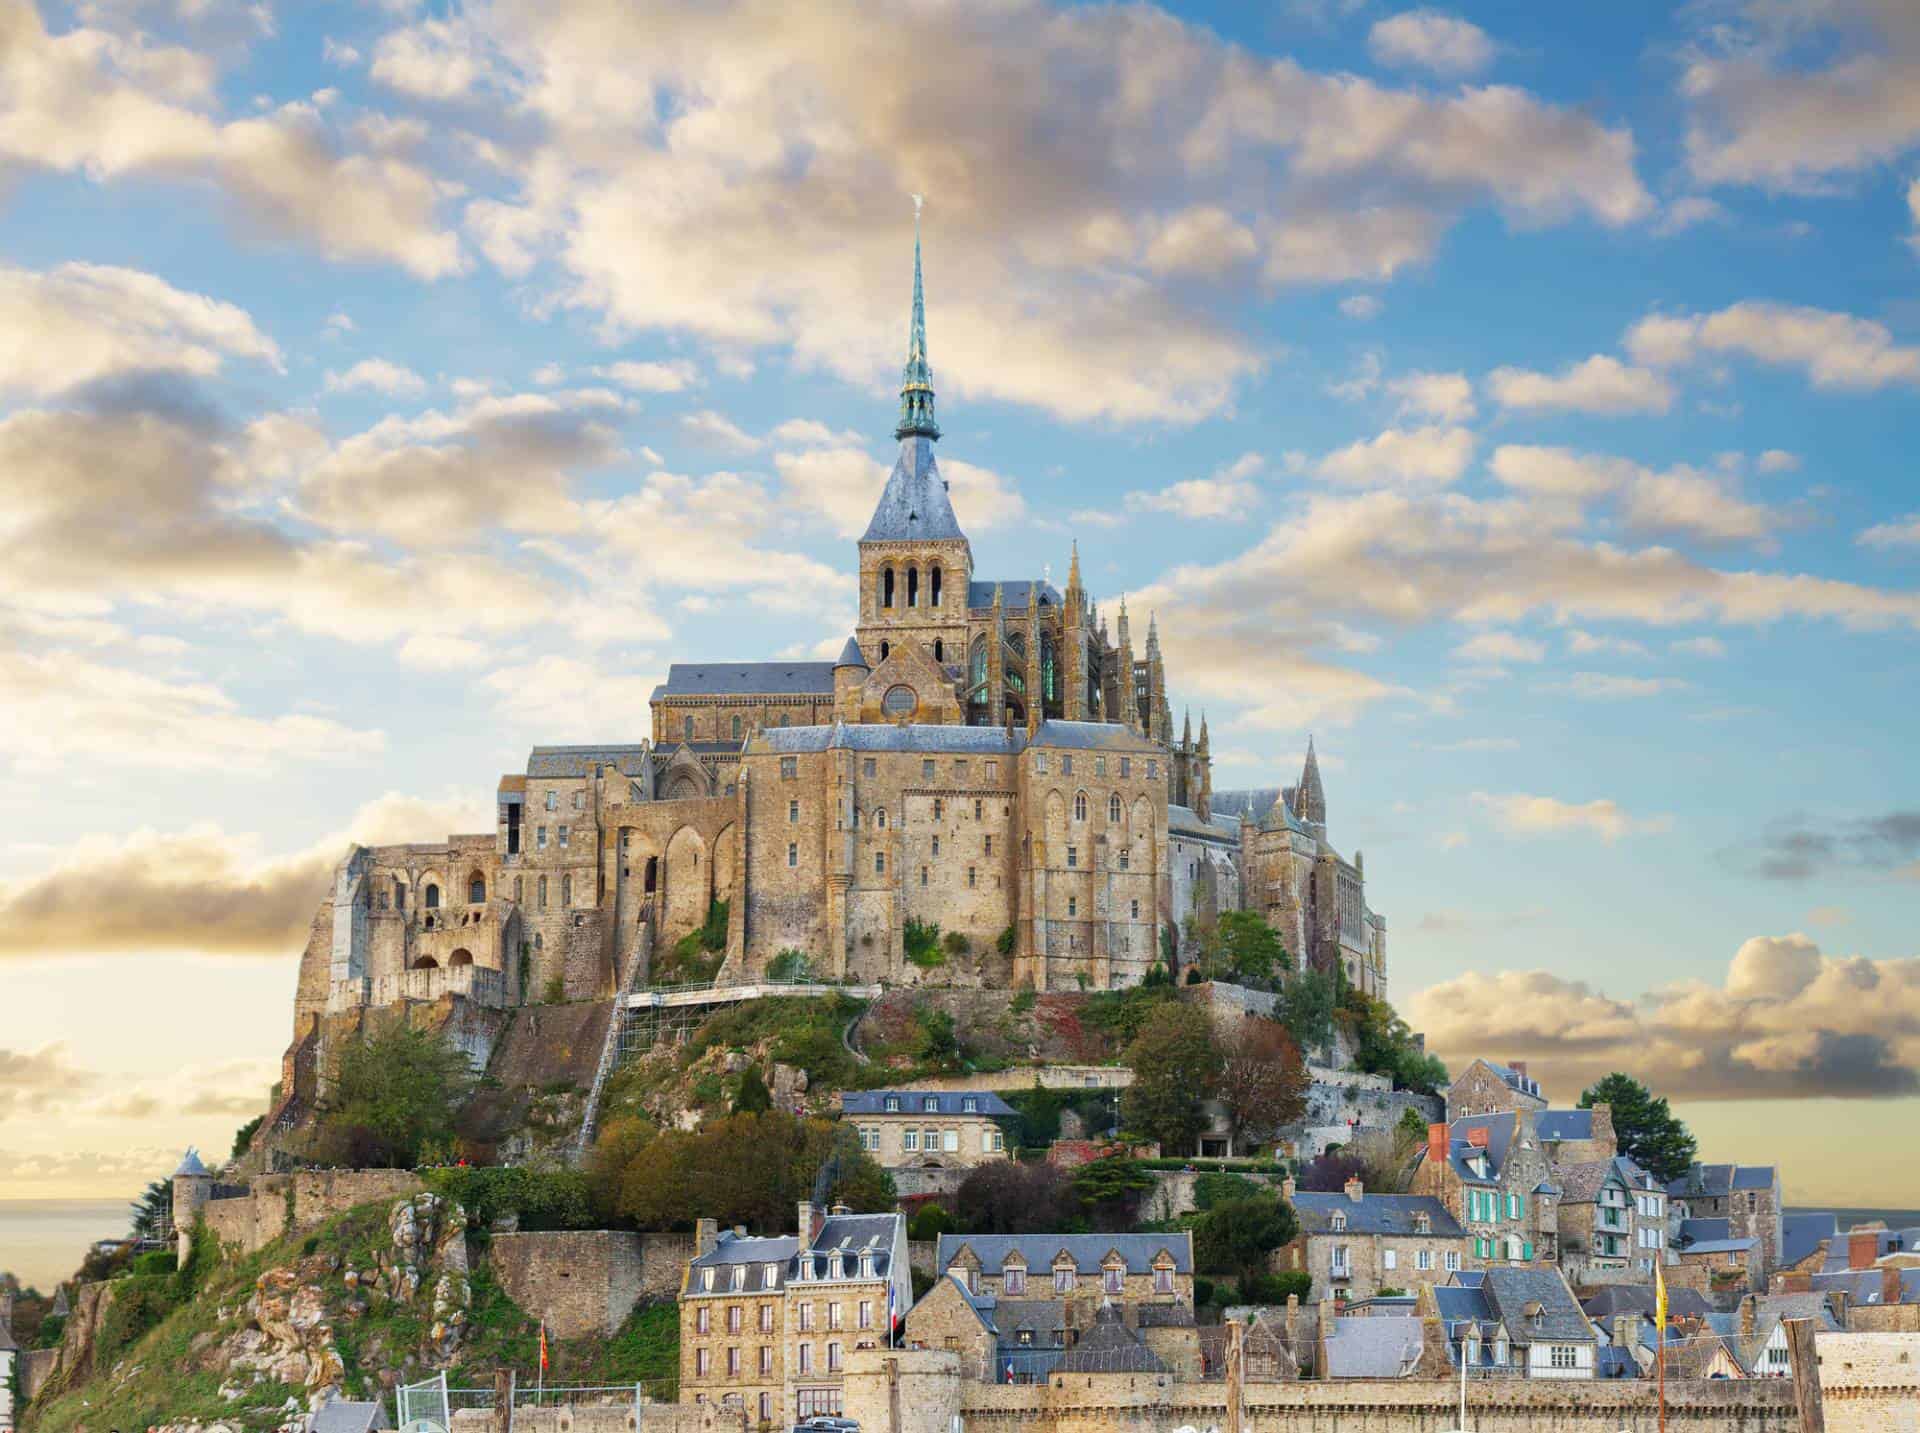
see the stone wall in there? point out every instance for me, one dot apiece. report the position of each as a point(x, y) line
point(1870, 1382)
point(1025, 1077)
point(37, 1365)
point(910, 1182)
point(588, 1281)
point(611, 1417)
point(276, 1204)
point(1173, 1192)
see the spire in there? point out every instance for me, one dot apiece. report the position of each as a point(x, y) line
point(1310, 800)
point(916, 378)
point(1203, 733)
point(1153, 634)
point(1186, 727)
point(1073, 572)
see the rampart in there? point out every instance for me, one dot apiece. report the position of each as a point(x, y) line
point(612, 1416)
point(276, 1204)
point(1870, 1382)
point(587, 1281)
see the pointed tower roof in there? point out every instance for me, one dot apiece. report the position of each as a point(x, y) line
point(914, 505)
point(1310, 799)
point(850, 654)
point(1203, 729)
point(1153, 634)
point(1186, 726)
point(1073, 572)
point(191, 1167)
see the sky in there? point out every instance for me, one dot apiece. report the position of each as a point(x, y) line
point(1520, 399)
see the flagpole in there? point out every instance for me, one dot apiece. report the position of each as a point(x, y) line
point(1660, 1339)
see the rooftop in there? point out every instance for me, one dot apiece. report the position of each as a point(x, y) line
point(939, 1102)
point(1088, 1251)
point(743, 679)
point(1374, 1214)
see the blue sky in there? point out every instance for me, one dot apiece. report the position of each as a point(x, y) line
point(1518, 398)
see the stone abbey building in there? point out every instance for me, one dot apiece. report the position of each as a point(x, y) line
point(987, 754)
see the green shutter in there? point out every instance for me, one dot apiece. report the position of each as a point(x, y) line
point(1526, 1251)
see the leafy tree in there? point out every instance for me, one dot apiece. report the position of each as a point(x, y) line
point(1237, 1236)
point(1383, 1045)
point(397, 1092)
point(1241, 946)
point(1328, 1173)
point(1411, 1124)
point(614, 1148)
point(1110, 1189)
point(153, 1211)
point(1004, 1196)
point(1648, 1131)
point(1263, 1082)
point(753, 1097)
point(243, 1137)
point(929, 1222)
point(1176, 1067)
point(1306, 1008)
point(747, 1169)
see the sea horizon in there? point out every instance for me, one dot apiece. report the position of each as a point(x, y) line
point(43, 1240)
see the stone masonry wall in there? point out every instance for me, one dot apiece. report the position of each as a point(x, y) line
point(277, 1203)
point(1870, 1382)
point(588, 1281)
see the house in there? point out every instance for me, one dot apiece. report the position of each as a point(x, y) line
point(1384, 1346)
point(766, 1323)
point(1747, 1196)
point(1354, 1244)
point(1805, 1242)
point(1709, 1251)
point(1610, 1302)
point(929, 1129)
point(1083, 1271)
point(1577, 1136)
point(1613, 1216)
point(1486, 1088)
point(998, 1340)
point(1493, 1175)
point(1760, 1332)
point(1519, 1320)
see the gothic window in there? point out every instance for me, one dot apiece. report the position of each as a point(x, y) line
point(519, 889)
point(1049, 673)
point(885, 648)
point(913, 587)
point(566, 891)
point(433, 897)
point(1113, 808)
point(933, 588)
point(886, 590)
point(399, 895)
point(686, 728)
point(939, 647)
point(1080, 806)
point(476, 890)
point(736, 728)
point(1017, 667)
point(977, 663)
point(542, 897)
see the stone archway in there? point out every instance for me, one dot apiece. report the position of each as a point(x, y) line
point(725, 847)
point(689, 883)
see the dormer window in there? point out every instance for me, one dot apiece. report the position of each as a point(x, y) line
point(1423, 1223)
point(739, 1276)
point(1114, 1278)
point(931, 1104)
point(1337, 1222)
point(706, 1280)
point(893, 1104)
point(1014, 1278)
point(970, 1105)
point(771, 1276)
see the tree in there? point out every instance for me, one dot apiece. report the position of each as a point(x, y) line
point(1237, 1236)
point(243, 1137)
point(398, 1092)
point(1244, 947)
point(1306, 1008)
point(1176, 1067)
point(153, 1212)
point(753, 1097)
point(1647, 1130)
point(1384, 1045)
point(1007, 1197)
point(747, 1169)
point(1263, 1081)
point(1110, 1188)
point(1328, 1173)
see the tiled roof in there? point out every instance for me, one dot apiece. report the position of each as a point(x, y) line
point(850, 654)
point(1086, 1250)
point(1014, 595)
point(1374, 1214)
point(913, 1102)
point(743, 679)
point(1090, 736)
point(1719, 1246)
point(1716, 1181)
point(1510, 1292)
point(559, 761)
point(1753, 1176)
point(1374, 1347)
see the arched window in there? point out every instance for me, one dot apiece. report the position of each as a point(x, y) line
point(736, 728)
point(1113, 808)
point(566, 892)
point(538, 940)
point(913, 587)
point(1049, 673)
point(426, 962)
point(686, 728)
point(399, 895)
point(433, 897)
point(653, 873)
point(476, 890)
point(886, 587)
point(933, 586)
point(880, 818)
point(977, 663)
point(462, 956)
point(1080, 806)
point(939, 649)
point(542, 899)
point(885, 648)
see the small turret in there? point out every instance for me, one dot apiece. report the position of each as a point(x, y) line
point(849, 678)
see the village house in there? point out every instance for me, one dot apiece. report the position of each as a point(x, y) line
point(1706, 1253)
point(1355, 1244)
point(929, 1129)
point(1486, 1088)
point(766, 1323)
point(1613, 1216)
point(1493, 1175)
point(1747, 1196)
point(1134, 1272)
point(1523, 1320)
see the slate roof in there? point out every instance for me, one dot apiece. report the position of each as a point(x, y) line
point(1499, 1128)
point(1087, 1250)
point(757, 1254)
point(853, 1233)
point(1509, 1291)
point(1014, 595)
point(743, 679)
point(340, 1416)
point(850, 654)
point(1695, 1231)
point(1582, 1183)
point(1555, 1125)
point(1374, 1214)
point(1186, 820)
point(1513, 1079)
point(1862, 1286)
point(553, 761)
point(191, 1167)
point(1800, 1234)
point(1375, 1347)
point(1090, 736)
point(914, 506)
point(913, 1102)
point(1716, 1181)
point(1110, 1347)
point(934, 740)
point(1612, 1361)
point(1614, 1299)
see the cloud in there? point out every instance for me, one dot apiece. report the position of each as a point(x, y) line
point(1429, 40)
point(1900, 532)
point(671, 376)
point(113, 107)
point(1688, 212)
point(709, 429)
point(1364, 307)
point(1798, 848)
point(1077, 229)
point(201, 891)
point(1609, 687)
point(1229, 492)
point(35, 1081)
point(1597, 385)
point(1410, 456)
point(1788, 1022)
point(378, 375)
point(1836, 350)
point(82, 323)
point(236, 1088)
point(1519, 814)
point(809, 432)
point(1493, 648)
point(1583, 644)
point(1699, 647)
point(1446, 397)
point(1778, 460)
point(570, 700)
point(1558, 472)
point(430, 59)
point(1679, 501)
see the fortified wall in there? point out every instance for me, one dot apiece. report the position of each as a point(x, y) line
point(587, 1281)
point(275, 1204)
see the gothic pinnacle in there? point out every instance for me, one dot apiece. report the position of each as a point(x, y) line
point(916, 377)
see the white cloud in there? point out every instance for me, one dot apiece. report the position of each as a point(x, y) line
point(1836, 350)
point(1523, 815)
point(710, 429)
point(1607, 686)
point(671, 376)
point(1430, 40)
point(1361, 383)
point(79, 323)
point(1688, 212)
point(1597, 385)
point(1900, 532)
point(1587, 644)
point(1778, 460)
point(1558, 472)
point(1229, 492)
point(1493, 648)
point(1699, 647)
point(378, 375)
point(1444, 397)
point(1401, 456)
point(1706, 506)
point(811, 433)
point(569, 700)
point(1363, 307)
point(430, 59)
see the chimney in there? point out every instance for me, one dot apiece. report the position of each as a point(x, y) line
point(839, 1209)
point(804, 1224)
point(1477, 1137)
point(1747, 1302)
point(1293, 1326)
point(1287, 1188)
point(1889, 1285)
point(1355, 1189)
point(1437, 1144)
point(1863, 1248)
point(1519, 1067)
point(706, 1233)
point(1837, 1300)
point(1621, 1339)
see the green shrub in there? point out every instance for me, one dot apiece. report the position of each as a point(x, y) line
point(556, 991)
point(1023, 1002)
point(713, 931)
point(789, 964)
point(930, 1223)
point(1203, 1291)
point(957, 944)
point(542, 1198)
point(1211, 1189)
point(922, 941)
point(52, 1327)
point(1004, 942)
point(1274, 1288)
point(154, 1261)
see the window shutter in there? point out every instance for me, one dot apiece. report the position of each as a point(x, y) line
point(1526, 1251)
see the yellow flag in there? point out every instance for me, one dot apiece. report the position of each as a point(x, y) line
point(1659, 1298)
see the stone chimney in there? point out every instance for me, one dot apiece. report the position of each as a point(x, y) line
point(1838, 1300)
point(706, 1234)
point(807, 1223)
point(1437, 1143)
point(1477, 1137)
point(1747, 1303)
point(1603, 1133)
point(1287, 1187)
point(1355, 1189)
point(839, 1209)
point(1889, 1285)
point(1623, 1330)
point(1863, 1248)
point(1519, 1067)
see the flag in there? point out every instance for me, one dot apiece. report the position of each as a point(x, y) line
point(543, 1345)
point(1659, 1298)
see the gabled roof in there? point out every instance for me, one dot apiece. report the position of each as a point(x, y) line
point(1110, 1347)
point(559, 761)
point(1186, 821)
point(743, 679)
point(1800, 1234)
point(1374, 1214)
point(1511, 1293)
point(1554, 1126)
point(1381, 1346)
point(1716, 1181)
point(1088, 1251)
point(1696, 1231)
point(1014, 596)
point(913, 1102)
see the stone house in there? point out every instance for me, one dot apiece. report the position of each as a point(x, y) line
point(1521, 1320)
point(1132, 1271)
point(1493, 1175)
point(1708, 1253)
point(1613, 1216)
point(1577, 1136)
point(1354, 1244)
point(1760, 1334)
point(999, 1340)
point(1747, 1196)
point(766, 1323)
point(928, 1129)
point(1486, 1088)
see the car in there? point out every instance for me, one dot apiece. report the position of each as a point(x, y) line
point(825, 1423)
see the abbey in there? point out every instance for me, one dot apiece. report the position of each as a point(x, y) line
point(987, 755)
